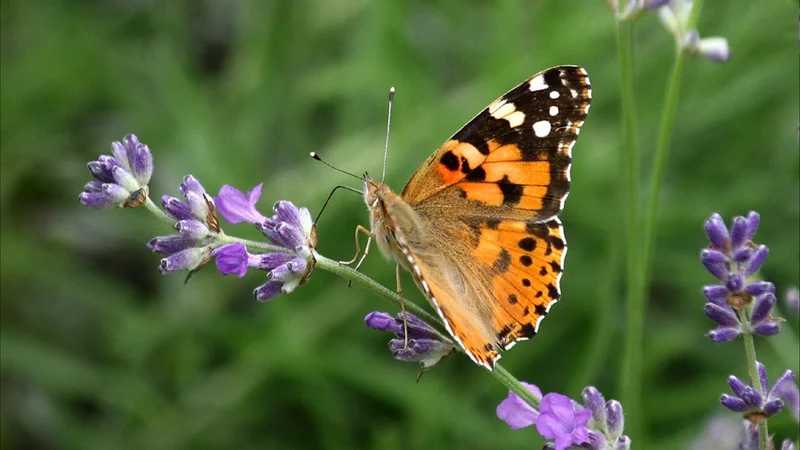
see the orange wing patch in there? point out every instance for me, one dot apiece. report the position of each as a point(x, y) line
point(527, 261)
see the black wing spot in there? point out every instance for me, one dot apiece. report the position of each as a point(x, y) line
point(526, 330)
point(526, 282)
point(543, 271)
point(555, 266)
point(465, 165)
point(450, 160)
point(552, 291)
point(525, 260)
point(541, 310)
point(527, 244)
point(538, 294)
point(512, 192)
point(557, 242)
point(477, 174)
point(526, 311)
point(512, 298)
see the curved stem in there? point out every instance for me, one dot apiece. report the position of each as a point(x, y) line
point(224, 238)
point(158, 212)
point(348, 273)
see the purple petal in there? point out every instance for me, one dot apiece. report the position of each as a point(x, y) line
point(655, 4)
point(231, 259)
point(734, 282)
point(109, 196)
point(773, 407)
point(417, 349)
point(616, 419)
point(735, 404)
point(188, 259)
point(717, 232)
point(723, 334)
point(786, 389)
point(101, 169)
point(191, 184)
point(120, 152)
point(787, 445)
point(762, 377)
point(141, 160)
point(176, 208)
point(725, 316)
point(737, 385)
point(716, 294)
point(767, 328)
point(743, 254)
point(124, 178)
point(271, 261)
point(757, 288)
point(715, 262)
point(753, 219)
point(235, 207)
point(623, 443)
point(738, 232)
point(785, 381)
point(595, 402)
point(752, 398)
point(762, 308)
point(515, 412)
point(268, 291)
point(171, 244)
point(192, 228)
point(381, 321)
point(756, 261)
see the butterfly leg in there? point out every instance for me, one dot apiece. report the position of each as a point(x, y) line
point(359, 229)
point(402, 307)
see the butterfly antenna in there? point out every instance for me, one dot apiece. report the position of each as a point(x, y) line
point(316, 156)
point(388, 128)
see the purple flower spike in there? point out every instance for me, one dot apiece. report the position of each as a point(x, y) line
point(733, 258)
point(616, 419)
point(559, 420)
point(425, 344)
point(786, 389)
point(121, 180)
point(189, 259)
point(515, 412)
point(755, 406)
point(289, 227)
point(235, 207)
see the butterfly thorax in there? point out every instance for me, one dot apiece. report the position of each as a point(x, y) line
point(390, 216)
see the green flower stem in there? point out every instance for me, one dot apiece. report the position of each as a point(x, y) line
point(752, 369)
point(348, 273)
point(158, 212)
point(630, 378)
point(223, 238)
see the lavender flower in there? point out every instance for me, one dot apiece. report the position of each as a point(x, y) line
point(721, 432)
point(290, 228)
point(751, 441)
point(597, 426)
point(197, 226)
point(121, 179)
point(790, 394)
point(634, 9)
point(733, 258)
point(285, 271)
point(424, 343)
point(675, 17)
point(747, 399)
point(561, 420)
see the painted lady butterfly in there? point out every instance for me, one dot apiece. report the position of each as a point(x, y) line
point(477, 225)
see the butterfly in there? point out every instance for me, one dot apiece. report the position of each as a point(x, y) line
point(477, 225)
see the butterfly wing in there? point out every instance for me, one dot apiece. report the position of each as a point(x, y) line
point(491, 194)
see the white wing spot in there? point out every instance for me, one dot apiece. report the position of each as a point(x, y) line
point(515, 119)
point(574, 93)
point(553, 110)
point(501, 108)
point(586, 109)
point(541, 128)
point(537, 84)
point(554, 94)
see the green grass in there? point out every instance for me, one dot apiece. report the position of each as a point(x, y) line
point(99, 351)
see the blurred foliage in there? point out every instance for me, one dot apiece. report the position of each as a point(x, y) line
point(99, 351)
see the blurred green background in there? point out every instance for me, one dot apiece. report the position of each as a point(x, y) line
point(100, 351)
